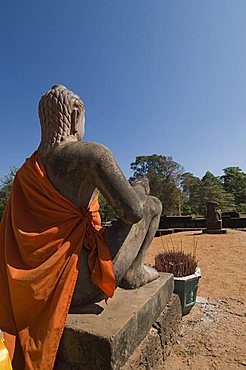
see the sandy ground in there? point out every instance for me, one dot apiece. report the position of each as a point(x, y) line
point(213, 334)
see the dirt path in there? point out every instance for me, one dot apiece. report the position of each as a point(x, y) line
point(213, 335)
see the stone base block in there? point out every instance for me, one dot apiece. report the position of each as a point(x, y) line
point(157, 345)
point(214, 225)
point(216, 231)
point(104, 336)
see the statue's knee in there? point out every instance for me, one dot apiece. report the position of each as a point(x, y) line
point(158, 206)
point(155, 206)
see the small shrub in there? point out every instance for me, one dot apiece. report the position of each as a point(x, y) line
point(176, 262)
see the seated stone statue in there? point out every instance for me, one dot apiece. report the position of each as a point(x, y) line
point(77, 170)
point(52, 247)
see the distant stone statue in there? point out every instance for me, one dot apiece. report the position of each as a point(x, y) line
point(53, 251)
point(213, 216)
point(214, 221)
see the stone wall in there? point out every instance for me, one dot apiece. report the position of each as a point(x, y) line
point(187, 222)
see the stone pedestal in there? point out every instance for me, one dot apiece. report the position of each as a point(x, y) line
point(157, 345)
point(215, 231)
point(104, 336)
point(214, 225)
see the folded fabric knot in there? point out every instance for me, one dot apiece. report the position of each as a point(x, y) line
point(41, 237)
point(86, 213)
point(90, 238)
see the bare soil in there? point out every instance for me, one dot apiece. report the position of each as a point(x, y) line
point(213, 334)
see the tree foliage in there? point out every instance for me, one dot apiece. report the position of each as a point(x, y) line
point(199, 192)
point(164, 177)
point(106, 211)
point(190, 185)
point(5, 188)
point(234, 181)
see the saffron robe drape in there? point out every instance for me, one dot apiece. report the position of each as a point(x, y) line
point(41, 236)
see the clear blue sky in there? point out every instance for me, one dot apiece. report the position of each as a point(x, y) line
point(160, 76)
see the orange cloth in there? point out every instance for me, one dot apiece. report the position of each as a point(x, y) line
point(41, 236)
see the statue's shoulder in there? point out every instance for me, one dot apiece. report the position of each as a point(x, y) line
point(76, 157)
point(91, 148)
point(83, 150)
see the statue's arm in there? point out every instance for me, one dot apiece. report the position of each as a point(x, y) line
point(116, 189)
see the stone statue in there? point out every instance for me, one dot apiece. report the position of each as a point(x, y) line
point(77, 169)
point(214, 221)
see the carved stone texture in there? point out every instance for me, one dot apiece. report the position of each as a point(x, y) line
point(77, 169)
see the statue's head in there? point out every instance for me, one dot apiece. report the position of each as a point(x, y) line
point(212, 205)
point(61, 114)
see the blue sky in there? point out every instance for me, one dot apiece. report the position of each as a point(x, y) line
point(165, 77)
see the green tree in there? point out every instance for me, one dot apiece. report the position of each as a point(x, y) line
point(164, 178)
point(212, 189)
point(190, 189)
point(234, 181)
point(209, 188)
point(106, 211)
point(5, 188)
